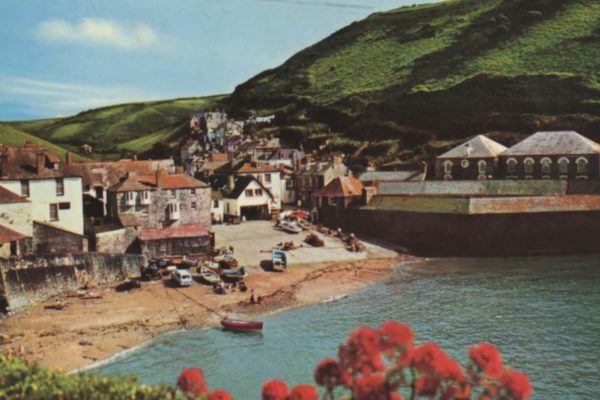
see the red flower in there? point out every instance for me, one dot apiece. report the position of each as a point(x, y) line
point(488, 358)
point(365, 340)
point(330, 374)
point(361, 352)
point(220, 394)
point(274, 390)
point(371, 387)
point(304, 392)
point(191, 380)
point(426, 386)
point(517, 385)
point(395, 335)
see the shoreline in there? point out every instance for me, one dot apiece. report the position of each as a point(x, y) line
point(93, 333)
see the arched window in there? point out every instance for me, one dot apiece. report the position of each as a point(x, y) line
point(482, 165)
point(447, 167)
point(582, 164)
point(529, 165)
point(563, 165)
point(546, 162)
point(511, 166)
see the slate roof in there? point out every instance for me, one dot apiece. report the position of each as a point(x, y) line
point(554, 143)
point(344, 186)
point(220, 183)
point(149, 182)
point(391, 176)
point(22, 163)
point(480, 147)
point(8, 235)
point(8, 196)
point(173, 232)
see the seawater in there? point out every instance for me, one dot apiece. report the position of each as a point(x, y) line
point(543, 314)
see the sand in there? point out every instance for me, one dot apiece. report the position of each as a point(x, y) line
point(88, 331)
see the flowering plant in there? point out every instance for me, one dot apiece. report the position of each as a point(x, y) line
point(386, 364)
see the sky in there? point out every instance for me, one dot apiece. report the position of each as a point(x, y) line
point(59, 57)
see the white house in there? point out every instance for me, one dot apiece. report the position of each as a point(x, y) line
point(242, 197)
point(16, 225)
point(268, 175)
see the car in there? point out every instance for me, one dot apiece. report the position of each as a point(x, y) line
point(182, 277)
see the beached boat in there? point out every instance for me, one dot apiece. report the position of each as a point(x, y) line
point(208, 275)
point(279, 259)
point(226, 261)
point(234, 274)
point(290, 226)
point(304, 224)
point(241, 325)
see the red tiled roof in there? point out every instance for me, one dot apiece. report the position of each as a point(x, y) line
point(22, 163)
point(8, 235)
point(148, 182)
point(107, 174)
point(177, 232)
point(8, 196)
point(248, 168)
point(345, 186)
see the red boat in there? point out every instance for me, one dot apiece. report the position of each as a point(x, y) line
point(240, 325)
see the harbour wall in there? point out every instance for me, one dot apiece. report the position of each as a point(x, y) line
point(27, 282)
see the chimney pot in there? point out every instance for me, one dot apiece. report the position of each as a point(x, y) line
point(231, 182)
point(69, 158)
point(40, 162)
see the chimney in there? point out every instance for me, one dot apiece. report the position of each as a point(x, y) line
point(69, 158)
point(40, 162)
point(371, 167)
point(231, 182)
point(159, 174)
point(468, 149)
point(4, 164)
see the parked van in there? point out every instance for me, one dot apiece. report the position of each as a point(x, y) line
point(182, 277)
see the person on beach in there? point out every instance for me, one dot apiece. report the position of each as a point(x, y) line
point(252, 301)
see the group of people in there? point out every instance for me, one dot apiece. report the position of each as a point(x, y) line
point(224, 288)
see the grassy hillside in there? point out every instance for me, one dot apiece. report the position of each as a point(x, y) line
point(418, 79)
point(14, 137)
point(121, 130)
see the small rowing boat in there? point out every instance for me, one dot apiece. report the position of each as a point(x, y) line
point(208, 275)
point(289, 226)
point(234, 274)
point(241, 325)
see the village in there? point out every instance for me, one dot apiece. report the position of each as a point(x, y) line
point(254, 227)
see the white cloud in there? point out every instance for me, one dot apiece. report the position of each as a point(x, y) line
point(97, 31)
point(57, 98)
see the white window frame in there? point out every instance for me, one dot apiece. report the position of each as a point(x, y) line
point(54, 216)
point(528, 162)
point(60, 186)
point(546, 163)
point(582, 161)
point(563, 161)
point(511, 166)
point(482, 167)
point(448, 165)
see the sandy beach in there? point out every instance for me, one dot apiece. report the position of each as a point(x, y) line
point(88, 331)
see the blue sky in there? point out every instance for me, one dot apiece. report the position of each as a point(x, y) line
point(60, 57)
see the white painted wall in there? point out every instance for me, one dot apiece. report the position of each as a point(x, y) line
point(288, 196)
point(42, 193)
point(274, 186)
point(17, 216)
point(217, 212)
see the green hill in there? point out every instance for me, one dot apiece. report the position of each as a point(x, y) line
point(416, 80)
point(121, 130)
point(15, 137)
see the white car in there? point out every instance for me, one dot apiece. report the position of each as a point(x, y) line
point(182, 277)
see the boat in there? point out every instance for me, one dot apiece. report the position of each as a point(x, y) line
point(304, 224)
point(208, 275)
point(234, 274)
point(279, 259)
point(241, 325)
point(289, 226)
point(226, 261)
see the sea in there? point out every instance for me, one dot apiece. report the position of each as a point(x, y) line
point(542, 313)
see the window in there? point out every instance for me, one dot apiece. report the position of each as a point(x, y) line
point(130, 198)
point(60, 187)
point(193, 191)
point(249, 193)
point(546, 166)
point(511, 166)
point(25, 188)
point(448, 167)
point(173, 209)
point(193, 205)
point(528, 165)
point(145, 197)
point(173, 193)
point(258, 192)
point(482, 165)
point(582, 163)
point(268, 178)
point(53, 212)
point(64, 206)
point(563, 165)
point(215, 203)
point(99, 192)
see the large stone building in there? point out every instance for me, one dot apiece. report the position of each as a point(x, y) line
point(314, 176)
point(474, 159)
point(552, 155)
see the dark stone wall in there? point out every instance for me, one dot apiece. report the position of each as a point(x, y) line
point(487, 235)
point(51, 241)
point(158, 248)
